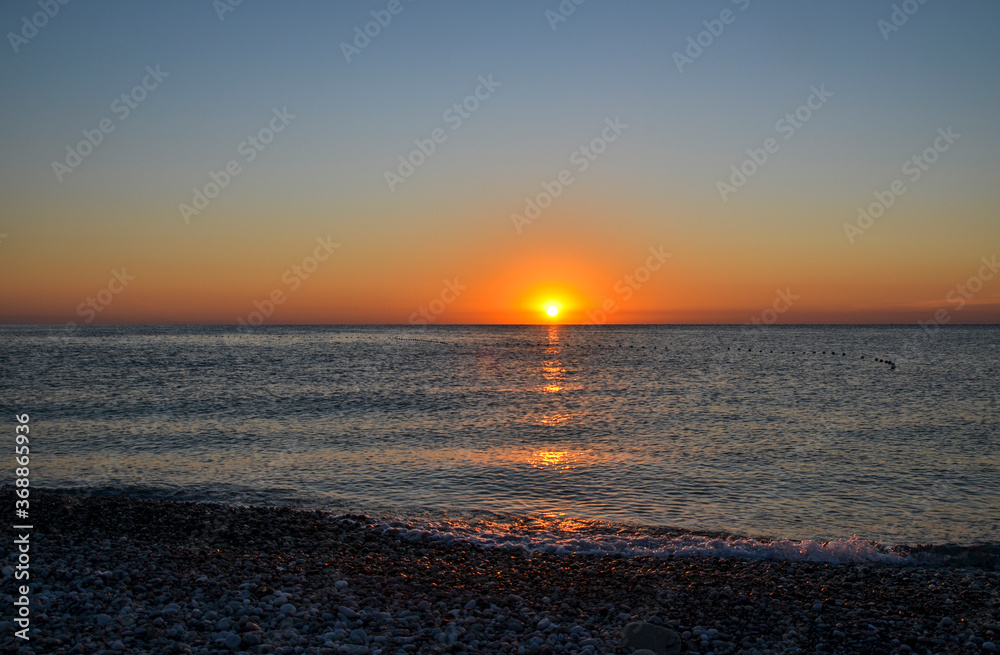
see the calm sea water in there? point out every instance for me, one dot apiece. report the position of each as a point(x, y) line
point(576, 434)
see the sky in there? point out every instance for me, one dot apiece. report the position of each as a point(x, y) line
point(416, 162)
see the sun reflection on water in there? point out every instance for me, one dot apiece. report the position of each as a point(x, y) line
point(553, 371)
point(547, 458)
point(555, 460)
point(555, 419)
point(561, 522)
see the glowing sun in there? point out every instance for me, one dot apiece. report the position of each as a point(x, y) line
point(552, 310)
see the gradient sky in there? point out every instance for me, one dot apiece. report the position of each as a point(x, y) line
point(655, 186)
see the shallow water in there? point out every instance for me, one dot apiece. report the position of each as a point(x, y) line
point(565, 431)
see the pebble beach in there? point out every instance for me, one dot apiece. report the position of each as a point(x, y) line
point(124, 575)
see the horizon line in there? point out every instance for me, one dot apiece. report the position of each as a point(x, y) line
point(551, 324)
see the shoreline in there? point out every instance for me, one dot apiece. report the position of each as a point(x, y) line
point(120, 574)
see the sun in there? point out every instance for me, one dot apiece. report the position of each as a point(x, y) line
point(552, 310)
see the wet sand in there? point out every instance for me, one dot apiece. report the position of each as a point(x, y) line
point(125, 575)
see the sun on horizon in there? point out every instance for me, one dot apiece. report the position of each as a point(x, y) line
point(552, 310)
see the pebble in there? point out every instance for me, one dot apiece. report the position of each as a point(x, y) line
point(232, 641)
point(658, 639)
point(353, 649)
point(197, 578)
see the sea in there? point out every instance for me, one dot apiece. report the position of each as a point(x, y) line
point(818, 443)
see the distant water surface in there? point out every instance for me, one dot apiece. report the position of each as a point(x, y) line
point(552, 428)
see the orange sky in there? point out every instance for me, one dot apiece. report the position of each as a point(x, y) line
point(702, 273)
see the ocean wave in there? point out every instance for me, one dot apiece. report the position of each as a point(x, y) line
point(841, 551)
point(851, 550)
point(534, 534)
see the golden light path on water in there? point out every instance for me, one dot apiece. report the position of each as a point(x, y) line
point(552, 369)
point(548, 458)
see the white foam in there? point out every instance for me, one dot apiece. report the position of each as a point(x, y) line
point(841, 551)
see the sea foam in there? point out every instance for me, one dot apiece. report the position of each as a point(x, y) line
point(840, 551)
